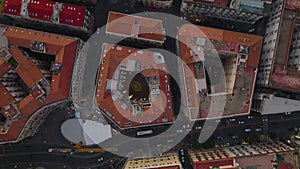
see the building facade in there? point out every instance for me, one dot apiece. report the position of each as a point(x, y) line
point(270, 43)
point(35, 77)
point(163, 162)
point(135, 28)
point(132, 90)
point(64, 15)
point(248, 11)
point(157, 3)
point(218, 64)
point(260, 156)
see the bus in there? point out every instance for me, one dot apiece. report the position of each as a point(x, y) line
point(145, 132)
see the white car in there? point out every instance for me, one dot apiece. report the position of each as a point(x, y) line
point(232, 120)
point(264, 119)
point(170, 141)
point(258, 129)
point(241, 122)
point(250, 117)
point(179, 131)
point(198, 127)
point(218, 120)
point(287, 113)
point(247, 130)
point(100, 159)
point(182, 159)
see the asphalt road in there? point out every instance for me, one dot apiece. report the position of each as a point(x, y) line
point(34, 150)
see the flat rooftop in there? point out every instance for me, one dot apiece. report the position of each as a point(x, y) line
point(220, 3)
point(30, 82)
point(117, 76)
point(131, 26)
point(282, 76)
point(162, 162)
point(239, 54)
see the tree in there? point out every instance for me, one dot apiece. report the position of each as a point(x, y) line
point(210, 143)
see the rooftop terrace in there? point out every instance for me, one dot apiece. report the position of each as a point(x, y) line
point(121, 90)
point(135, 27)
point(23, 81)
point(236, 53)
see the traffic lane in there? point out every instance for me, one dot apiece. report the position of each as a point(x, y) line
point(49, 131)
point(71, 160)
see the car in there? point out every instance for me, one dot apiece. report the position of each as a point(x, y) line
point(297, 129)
point(182, 152)
point(188, 129)
point(218, 120)
point(198, 128)
point(182, 159)
point(258, 129)
point(232, 120)
point(234, 137)
point(251, 30)
point(170, 141)
point(247, 130)
point(287, 113)
point(183, 126)
point(250, 117)
point(219, 138)
point(100, 159)
point(230, 26)
point(265, 119)
point(241, 122)
point(225, 144)
point(179, 131)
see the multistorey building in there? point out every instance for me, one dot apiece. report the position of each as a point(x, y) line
point(35, 76)
point(262, 155)
point(135, 28)
point(279, 63)
point(223, 65)
point(157, 3)
point(133, 87)
point(248, 11)
point(67, 16)
point(170, 161)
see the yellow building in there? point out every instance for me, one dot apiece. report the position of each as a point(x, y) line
point(160, 162)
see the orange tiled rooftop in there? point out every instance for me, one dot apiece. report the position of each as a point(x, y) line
point(240, 55)
point(120, 110)
point(135, 27)
point(42, 88)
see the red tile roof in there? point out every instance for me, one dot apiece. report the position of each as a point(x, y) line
point(4, 67)
point(221, 3)
point(41, 9)
point(282, 79)
point(134, 26)
point(221, 40)
point(292, 4)
point(72, 15)
point(285, 166)
point(156, 113)
point(26, 69)
point(64, 49)
point(215, 163)
point(12, 7)
point(171, 167)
